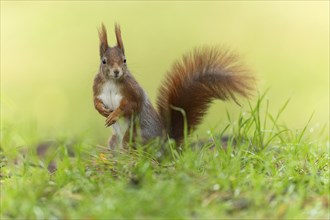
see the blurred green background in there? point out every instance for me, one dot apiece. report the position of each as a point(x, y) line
point(49, 56)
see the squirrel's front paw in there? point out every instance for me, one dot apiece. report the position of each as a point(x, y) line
point(106, 112)
point(111, 119)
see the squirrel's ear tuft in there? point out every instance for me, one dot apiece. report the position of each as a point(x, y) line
point(103, 39)
point(118, 36)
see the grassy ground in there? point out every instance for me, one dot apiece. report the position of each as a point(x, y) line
point(264, 171)
point(49, 56)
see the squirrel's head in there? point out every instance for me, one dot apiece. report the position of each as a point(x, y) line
point(113, 61)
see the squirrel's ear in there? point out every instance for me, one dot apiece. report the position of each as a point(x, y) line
point(118, 36)
point(103, 40)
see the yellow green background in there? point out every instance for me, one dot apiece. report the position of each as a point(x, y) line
point(49, 56)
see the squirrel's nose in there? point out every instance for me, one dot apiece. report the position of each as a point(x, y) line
point(116, 72)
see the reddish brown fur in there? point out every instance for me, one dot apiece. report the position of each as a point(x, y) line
point(195, 81)
point(103, 39)
point(114, 56)
point(132, 98)
point(131, 103)
point(97, 86)
point(118, 37)
point(133, 94)
point(100, 107)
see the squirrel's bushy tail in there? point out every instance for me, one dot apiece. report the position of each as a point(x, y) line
point(197, 79)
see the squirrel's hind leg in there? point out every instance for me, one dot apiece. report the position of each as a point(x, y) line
point(114, 142)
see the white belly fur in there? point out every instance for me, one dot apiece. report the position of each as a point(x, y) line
point(111, 98)
point(110, 95)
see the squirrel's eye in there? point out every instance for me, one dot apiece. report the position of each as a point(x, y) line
point(104, 61)
point(124, 60)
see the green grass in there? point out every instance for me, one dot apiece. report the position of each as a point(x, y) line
point(266, 171)
point(49, 56)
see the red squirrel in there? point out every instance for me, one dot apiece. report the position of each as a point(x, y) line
point(190, 86)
